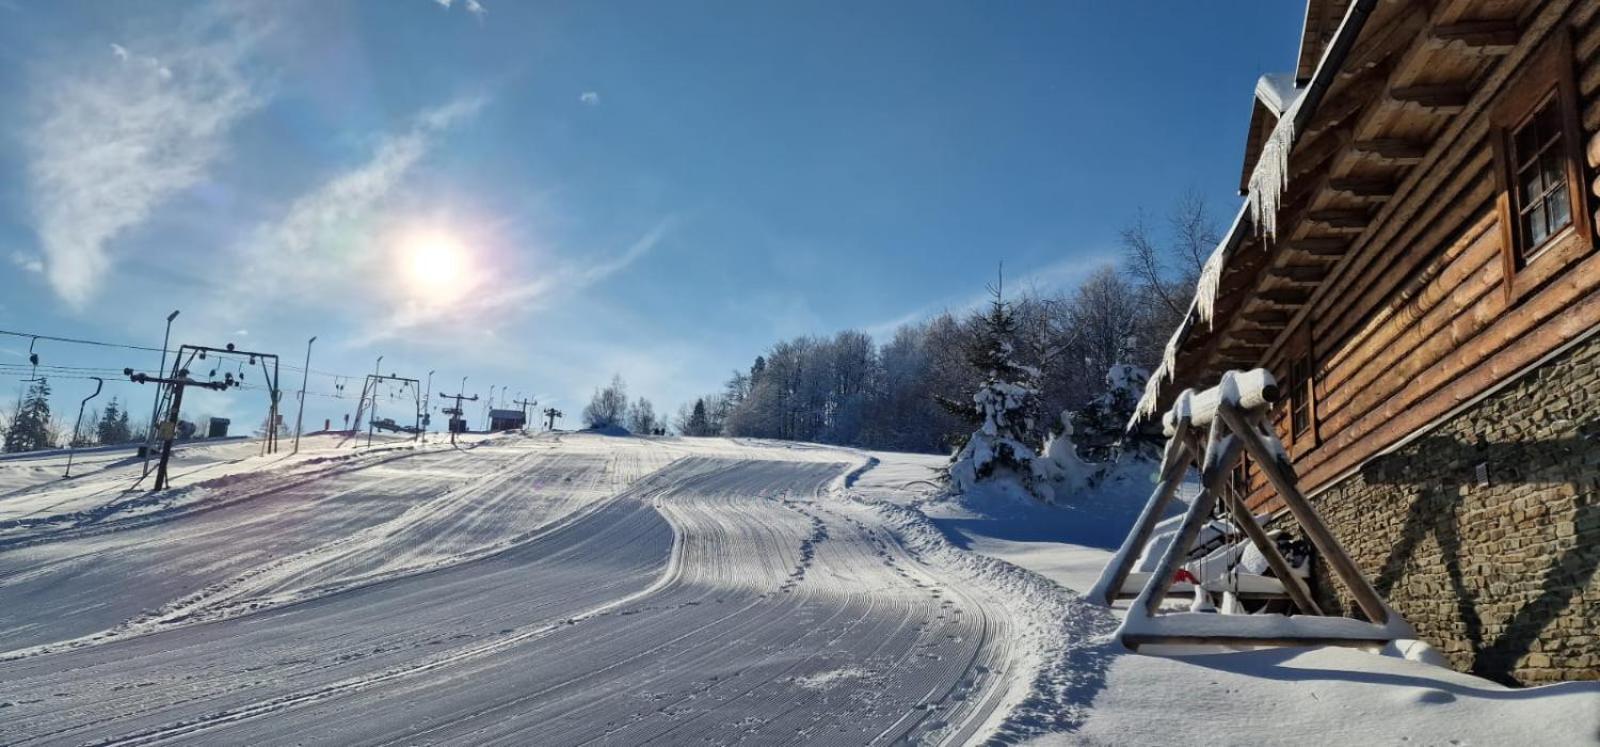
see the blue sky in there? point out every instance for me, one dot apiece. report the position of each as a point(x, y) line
point(655, 189)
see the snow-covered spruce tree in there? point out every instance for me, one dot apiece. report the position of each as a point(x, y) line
point(31, 429)
point(1099, 429)
point(1003, 409)
point(1093, 452)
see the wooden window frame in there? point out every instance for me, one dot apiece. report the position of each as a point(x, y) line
point(1547, 76)
point(1298, 352)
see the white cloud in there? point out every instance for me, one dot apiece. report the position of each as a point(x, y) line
point(473, 6)
point(117, 137)
point(590, 98)
point(29, 262)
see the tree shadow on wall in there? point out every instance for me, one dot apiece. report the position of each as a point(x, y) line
point(1436, 497)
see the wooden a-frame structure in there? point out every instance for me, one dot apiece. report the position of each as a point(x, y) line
point(1232, 418)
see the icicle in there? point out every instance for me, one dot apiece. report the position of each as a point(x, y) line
point(1205, 292)
point(1271, 174)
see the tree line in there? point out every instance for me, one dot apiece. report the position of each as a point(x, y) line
point(907, 393)
point(32, 426)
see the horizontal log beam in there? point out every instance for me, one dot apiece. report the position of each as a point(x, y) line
point(1285, 296)
point(1318, 246)
point(1254, 335)
point(1267, 318)
point(1340, 217)
point(1300, 273)
point(1484, 37)
point(1449, 98)
point(1366, 189)
point(1391, 150)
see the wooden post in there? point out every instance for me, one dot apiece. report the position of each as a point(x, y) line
point(1280, 567)
point(1281, 474)
point(1221, 452)
point(1174, 464)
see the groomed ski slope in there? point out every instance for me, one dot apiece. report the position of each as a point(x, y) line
point(554, 589)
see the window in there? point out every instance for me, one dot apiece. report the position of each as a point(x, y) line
point(1544, 215)
point(1542, 196)
point(1299, 385)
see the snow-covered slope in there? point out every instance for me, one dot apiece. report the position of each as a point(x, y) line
point(575, 588)
point(543, 590)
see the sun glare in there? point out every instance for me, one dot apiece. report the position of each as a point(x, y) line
point(436, 264)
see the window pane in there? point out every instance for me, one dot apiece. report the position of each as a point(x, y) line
point(1526, 142)
point(1554, 167)
point(1549, 122)
point(1530, 185)
point(1535, 225)
point(1560, 209)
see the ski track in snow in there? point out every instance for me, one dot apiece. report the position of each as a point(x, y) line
point(557, 589)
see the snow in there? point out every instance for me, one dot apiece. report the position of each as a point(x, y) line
point(570, 587)
point(1278, 91)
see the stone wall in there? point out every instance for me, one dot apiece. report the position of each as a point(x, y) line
point(1501, 576)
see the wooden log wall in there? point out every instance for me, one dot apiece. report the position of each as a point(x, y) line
point(1417, 320)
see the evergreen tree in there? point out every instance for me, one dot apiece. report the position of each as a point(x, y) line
point(112, 425)
point(31, 429)
point(1005, 405)
point(699, 422)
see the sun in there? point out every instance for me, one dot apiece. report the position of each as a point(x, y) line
point(435, 264)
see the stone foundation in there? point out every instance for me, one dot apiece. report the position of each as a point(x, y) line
point(1499, 574)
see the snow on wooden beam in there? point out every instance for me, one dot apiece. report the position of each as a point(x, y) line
point(1250, 390)
point(1484, 37)
point(1391, 150)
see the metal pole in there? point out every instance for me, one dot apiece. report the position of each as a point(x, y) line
point(373, 413)
point(72, 446)
point(155, 407)
point(427, 401)
point(299, 418)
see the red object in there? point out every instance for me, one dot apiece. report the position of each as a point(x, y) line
point(1183, 575)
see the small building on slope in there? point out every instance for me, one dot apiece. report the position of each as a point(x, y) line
point(507, 420)
point(1416, 262)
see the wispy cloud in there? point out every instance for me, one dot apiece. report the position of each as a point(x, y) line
point(473, 6)
point(28, 262)
point(1063, 275)
point(589, 98)
point(120, 133)
point(564, 279)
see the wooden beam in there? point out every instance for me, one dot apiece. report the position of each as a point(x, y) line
point(1391, 150)
point(1340, 217)
point(1255, 335)
point(1448, 98)
point(1273, 461)
point(1285, 296)
point(1267, 318)
point(1318, 246)
point(1485, 37)
point(1376, 190)
point(1300, 273)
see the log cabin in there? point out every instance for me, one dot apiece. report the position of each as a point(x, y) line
point(1416, 263)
